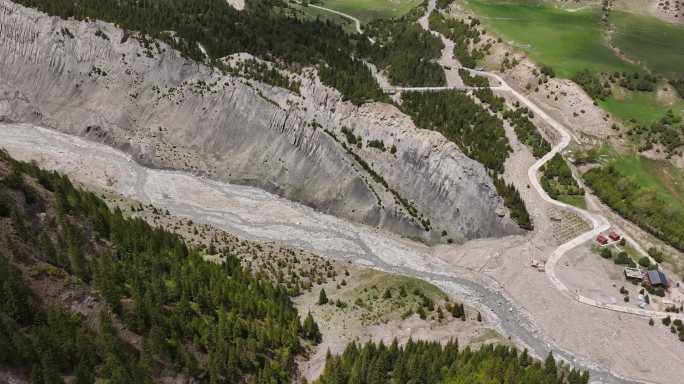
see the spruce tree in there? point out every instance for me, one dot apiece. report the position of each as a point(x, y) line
point(322, 297)
point(311, 330)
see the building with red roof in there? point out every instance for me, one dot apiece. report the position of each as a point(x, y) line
point(602, 240)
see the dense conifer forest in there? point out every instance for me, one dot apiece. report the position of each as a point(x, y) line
point(54, 342)
point(429, 362)
point(265, 29)
point(214, 322)
point(406, 51)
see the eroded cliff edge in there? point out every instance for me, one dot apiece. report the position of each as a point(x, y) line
point(92, 79)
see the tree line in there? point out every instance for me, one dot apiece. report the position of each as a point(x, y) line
point(424, 362)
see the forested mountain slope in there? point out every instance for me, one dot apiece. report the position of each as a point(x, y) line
point(116, 86)
point(87, 292)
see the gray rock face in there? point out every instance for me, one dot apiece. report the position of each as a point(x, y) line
point(170, 112)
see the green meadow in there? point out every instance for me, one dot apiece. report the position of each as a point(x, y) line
point(642, 107)
point(654, 175)
point(570, 41)
point(657, 45)
point(565, 40)
point(577, 201)
point(369, 10)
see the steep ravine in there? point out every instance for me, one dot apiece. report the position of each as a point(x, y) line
point(172, 113)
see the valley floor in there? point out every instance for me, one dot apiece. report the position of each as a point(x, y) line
point(491, 275)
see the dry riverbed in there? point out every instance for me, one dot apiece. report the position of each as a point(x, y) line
point(491, 275)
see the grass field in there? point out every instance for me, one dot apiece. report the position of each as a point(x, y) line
point(567, 41)
point(575, 200)
point(659, 176)
point(368, 10)
point(640, 106)
point(656, 44)
point(666, 180)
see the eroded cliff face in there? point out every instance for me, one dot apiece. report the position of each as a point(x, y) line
point(91, 79)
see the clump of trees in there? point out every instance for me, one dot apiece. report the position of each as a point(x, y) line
point(643, 82)
point(598, 85)
point(430, 362)
point(379, 144)
point(464, 35)
point(526, 131)
point(472, 80)
point(442, 4)
point(454, 114)
point(592, 84)
point(668, 132)
point(557, 179)
point(514, 203)
point(678, 85)
point(406, 52)
point(262, 72)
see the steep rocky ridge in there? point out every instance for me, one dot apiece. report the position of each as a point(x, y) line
point(91, 79)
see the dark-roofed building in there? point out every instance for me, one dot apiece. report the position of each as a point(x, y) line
point(657, 278)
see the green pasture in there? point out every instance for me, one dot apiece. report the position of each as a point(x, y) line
point(643, 107)
point(368, 10)
point(661, 177)
point(567, 41)
point(575, 200)
point(657, 45)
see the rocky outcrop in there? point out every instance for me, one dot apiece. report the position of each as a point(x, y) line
point(92, 79)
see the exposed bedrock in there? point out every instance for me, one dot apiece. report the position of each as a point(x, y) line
point(89, 79)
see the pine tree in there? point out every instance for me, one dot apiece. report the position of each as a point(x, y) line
point(311, 330)
point(550, 365)
point(322, 297)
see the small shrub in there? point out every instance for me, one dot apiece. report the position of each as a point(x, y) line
point(622, 258)
point(606, 253)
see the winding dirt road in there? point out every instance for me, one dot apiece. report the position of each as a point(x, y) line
point(599, 223)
